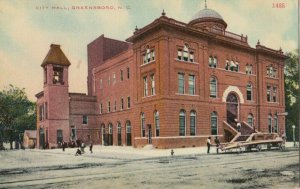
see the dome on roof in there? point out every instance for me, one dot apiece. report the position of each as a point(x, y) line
point(208, 18)
point(207, 13)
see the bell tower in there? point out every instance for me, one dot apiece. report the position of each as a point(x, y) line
point(55, 126)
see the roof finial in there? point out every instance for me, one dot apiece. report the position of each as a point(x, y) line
point(205, 5)
point(163, 13)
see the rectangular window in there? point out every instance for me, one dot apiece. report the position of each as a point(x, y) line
point(122, 103)
point(114, 78)
point(214, 125)
point(268, 93)
point(191, 84)
point(121, 75)
point(274, 94)
point(128, 102)
point(179, 54)
point(145, 86)
point(191, 56)
point(85, 119)
point(153, 55)
point(181, 125)
point(128, 73)
point(152, 84)
point(108, 106)
point(181, 83)
point(108, 81)
point(73, 133)
point(100, 83)
point(115, 106)
point(46, 110)
point(40, 112)
point(100, 108)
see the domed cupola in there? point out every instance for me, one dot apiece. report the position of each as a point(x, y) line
point(208, 19)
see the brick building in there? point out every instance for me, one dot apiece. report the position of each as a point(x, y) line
point(171, 84)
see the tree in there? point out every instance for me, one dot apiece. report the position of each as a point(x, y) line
point(16, 114)
point(291, 79)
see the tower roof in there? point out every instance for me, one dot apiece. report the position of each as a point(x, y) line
point(207, 13)
point(56, 56)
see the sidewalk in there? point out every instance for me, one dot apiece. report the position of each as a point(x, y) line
point(130, 153)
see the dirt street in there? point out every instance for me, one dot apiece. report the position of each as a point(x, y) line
point(54, 169)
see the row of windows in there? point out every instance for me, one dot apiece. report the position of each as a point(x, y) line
point(152, 87)
point(212, 86)
point(271, 71)
point(109, 108)
point(272, 124)
point(114, 78)
point(119, 128)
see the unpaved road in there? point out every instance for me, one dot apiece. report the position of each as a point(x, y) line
point(266, 169)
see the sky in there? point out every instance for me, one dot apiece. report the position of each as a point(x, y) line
point(29, 27)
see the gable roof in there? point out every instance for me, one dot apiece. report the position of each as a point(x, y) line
point(56, 56)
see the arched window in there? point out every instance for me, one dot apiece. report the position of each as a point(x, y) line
point(237, 67)
point(213, 87)
point(270, 123)
point(156, 123)
point(214, 123)
point(193, 123)
point(119, 128)
point(128, 133)
point(275, 124)
point(249, 91)
point(110, 128)
point(143, 124)
point(182, 123)
point(250, 120)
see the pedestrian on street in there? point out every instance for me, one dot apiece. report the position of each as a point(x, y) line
point(208, 144)
point(217, 141)
point(78, 152)
point(91, 147)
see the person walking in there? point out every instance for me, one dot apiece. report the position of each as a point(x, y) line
point(217, 141)
point(91, 147)
point(208, 144)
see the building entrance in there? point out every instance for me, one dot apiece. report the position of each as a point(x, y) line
point(232, 108)
point(42, 138)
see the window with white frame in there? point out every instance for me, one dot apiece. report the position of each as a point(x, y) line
point(181, 83)
point(185, 54)
point(122, 103)
point(270, 123)
point(128, 73)
point(100, 108)
point(156, 123)
point(249, 91)
point(115, 106)
point(212, 61)
point(250, 120)
point(271, 71)
point(100, 84)
point(274, 94)
point(128, 102)
point(149, 56)
point(193, 123)
point(84, 119)
point(143, 124)
point(191, 84)
point(275, 124)
point(182, 123)
point(249, 68)
point(214, 123)
point(145, 86)
point(108, 81)
point(269, 93)
point(121, 75)
point(152, 78)
point(114, 78)
point(213, 87)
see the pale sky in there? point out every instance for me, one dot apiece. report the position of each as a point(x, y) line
point(28, 27)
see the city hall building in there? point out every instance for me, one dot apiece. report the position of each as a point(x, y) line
point(171, 84)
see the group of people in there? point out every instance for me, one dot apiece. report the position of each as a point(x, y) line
point(217, 143)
